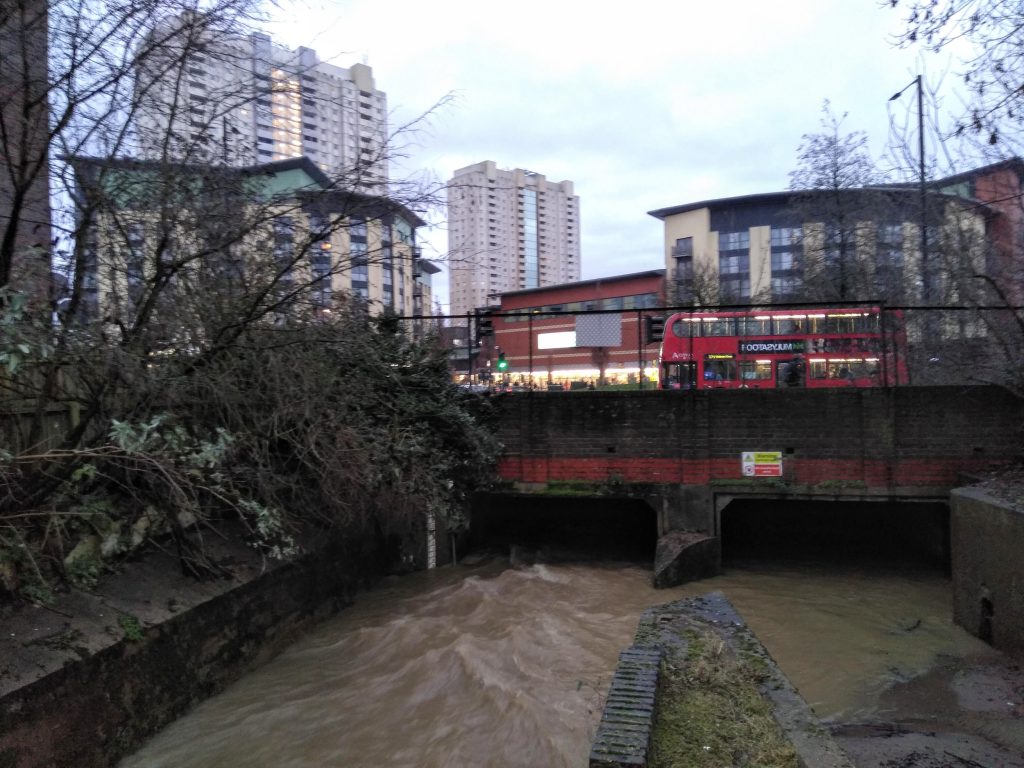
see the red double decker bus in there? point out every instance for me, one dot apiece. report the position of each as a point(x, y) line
point(783, 348)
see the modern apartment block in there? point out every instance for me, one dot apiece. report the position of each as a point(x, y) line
point(788, 246)
point(508, 230)
point(999, 187)
point(243, 100)
point(276, 233)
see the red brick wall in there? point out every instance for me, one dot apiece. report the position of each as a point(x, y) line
point(921, 437)
point(514, 337)
point(1000, 188)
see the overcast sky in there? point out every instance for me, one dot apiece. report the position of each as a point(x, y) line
point(642, 105)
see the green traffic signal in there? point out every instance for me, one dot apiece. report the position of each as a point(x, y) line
point(502, 362)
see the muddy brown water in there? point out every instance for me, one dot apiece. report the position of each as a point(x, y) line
point(493, 665)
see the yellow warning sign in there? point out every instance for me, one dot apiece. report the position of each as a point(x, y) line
point(761, 463)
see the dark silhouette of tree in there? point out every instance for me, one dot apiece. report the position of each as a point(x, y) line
point(215, 352)
point(840, 212)
point(992, 69)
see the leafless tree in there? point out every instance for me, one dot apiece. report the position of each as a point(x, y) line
point(844, 218)
point(988, 36)
point(213, 348)
point(985, 129)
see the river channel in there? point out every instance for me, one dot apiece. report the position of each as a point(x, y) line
point(495, 665)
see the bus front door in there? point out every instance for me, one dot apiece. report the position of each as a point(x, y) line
point(678, 375)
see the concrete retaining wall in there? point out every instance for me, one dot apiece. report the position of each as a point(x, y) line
point(987, 541)
point(86, 681)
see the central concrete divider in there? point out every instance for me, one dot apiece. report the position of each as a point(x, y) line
point(627, 724)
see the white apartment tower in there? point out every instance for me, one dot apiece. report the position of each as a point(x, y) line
point(207, 97)
point(508, 230)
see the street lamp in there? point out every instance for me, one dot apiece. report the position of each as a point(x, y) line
point(925, 278)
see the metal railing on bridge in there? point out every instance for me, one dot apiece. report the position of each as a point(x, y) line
point(816, 345)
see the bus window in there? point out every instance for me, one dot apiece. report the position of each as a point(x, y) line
point(754, 326)
point(867, 324)
point(842, 369)
point(815, 325)
point(755, 370)
point(685, 328)
point(852, 322)
point(786, 325)
point(866, 346)
point(857, 369)
point(719, 369)
point(719, 326)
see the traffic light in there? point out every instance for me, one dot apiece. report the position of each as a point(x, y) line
point(484, 325)
point(654, 329)
point(502, 365)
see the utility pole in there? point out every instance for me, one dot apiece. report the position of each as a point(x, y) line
point(926, 278)
point(926, 292)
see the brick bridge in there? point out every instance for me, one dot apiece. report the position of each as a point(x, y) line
point(682, 450)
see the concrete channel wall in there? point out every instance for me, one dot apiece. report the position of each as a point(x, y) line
point(987, 542)
point(84, 682)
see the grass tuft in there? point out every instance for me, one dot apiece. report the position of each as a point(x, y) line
point(711, 712)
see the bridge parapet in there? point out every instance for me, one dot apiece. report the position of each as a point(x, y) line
point(835, 443)
point(681, 452)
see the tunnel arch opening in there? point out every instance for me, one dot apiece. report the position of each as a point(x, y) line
point(894, 533)
point(584, 528)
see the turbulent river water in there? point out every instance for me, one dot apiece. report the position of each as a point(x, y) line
point(494, 665)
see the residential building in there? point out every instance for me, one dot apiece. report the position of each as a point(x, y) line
point(204, 96)
point(845, 245)
point(1000, 188)
point(508, 230)
point(573, 334)
point(24, 130)
point(277, 232)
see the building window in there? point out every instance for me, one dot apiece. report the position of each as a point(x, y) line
point(320, 261)
point(786, 237)
point(360, 262)
point(786, 287)
point(734, 241)
point(840, 243)
point(682, 252)
point(135, 262)
point(786, 263)
point(360, 270)
point(284, 249)
point(889, 260)
point(531, 256)
point(387, 267)
point(734, 265)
